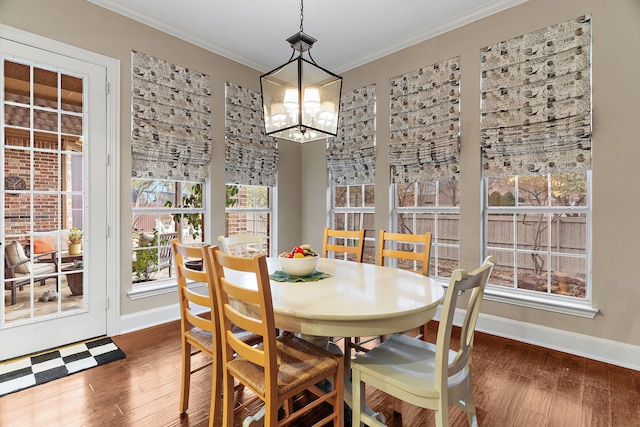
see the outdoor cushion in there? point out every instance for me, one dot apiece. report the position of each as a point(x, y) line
point(42, 245)
point(15, 252)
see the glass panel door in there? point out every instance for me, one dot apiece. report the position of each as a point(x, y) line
point(54, 273)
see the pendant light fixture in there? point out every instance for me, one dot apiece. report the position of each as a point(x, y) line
point(301, 100)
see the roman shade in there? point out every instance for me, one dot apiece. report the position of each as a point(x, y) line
point(171, 120)
point(351, 155)
point(251, 157)
point(536, 101)
point(425, 123)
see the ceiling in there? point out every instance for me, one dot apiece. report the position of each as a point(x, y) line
point(349, 32)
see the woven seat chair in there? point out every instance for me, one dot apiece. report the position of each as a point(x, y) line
point(200, 333)
point(282, 366)
point(343, 241)
point(415, 249)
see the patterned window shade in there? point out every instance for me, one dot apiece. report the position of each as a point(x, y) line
point(251, 156)
point(351, 155)
point(425, 123)
point(536, 101)
point(171, 123)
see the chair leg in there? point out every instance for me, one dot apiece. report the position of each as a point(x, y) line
point(186, 377)
point(347, 356)
point(216, 396)
point(423, 332)
point(469, 408)
point(442, 414)
point(228, 399)
point(357, 399)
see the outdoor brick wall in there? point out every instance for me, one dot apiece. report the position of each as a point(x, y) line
point(46, 207)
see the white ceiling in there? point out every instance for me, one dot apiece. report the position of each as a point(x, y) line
point(349, 32)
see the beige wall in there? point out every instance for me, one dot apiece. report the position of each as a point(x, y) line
point(616, 150)
point(82, 24)
point(302, 176)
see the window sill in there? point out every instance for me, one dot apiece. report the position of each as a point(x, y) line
point(554, 304)
point(557, 305)
point(153, 289)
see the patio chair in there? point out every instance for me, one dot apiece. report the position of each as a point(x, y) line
point(164, 250)
point(243, 244)
point(18, 266)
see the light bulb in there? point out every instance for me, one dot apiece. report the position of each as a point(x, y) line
point(311, 99)
point(291, 99)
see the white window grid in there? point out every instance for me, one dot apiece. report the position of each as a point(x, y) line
point(438, 212)
point(548, 212)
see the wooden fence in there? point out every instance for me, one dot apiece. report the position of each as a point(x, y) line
point(568, 236)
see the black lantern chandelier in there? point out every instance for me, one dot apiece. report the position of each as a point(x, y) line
point(301, 100)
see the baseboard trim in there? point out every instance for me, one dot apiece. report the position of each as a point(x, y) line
point(608, 351)
point(148, 318)
point(604, 350)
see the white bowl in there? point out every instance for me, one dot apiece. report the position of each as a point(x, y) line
point(299, 267)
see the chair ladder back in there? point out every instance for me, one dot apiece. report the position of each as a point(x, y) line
point(262, 320)
point(188, 297)
point(414, 240)
point(258, 367)
point(330, 242)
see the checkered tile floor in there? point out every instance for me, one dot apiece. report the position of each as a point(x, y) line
point(30, 371)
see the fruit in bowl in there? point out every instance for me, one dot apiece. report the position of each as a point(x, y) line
point(300, 262)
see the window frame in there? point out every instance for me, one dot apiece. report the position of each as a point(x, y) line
point(162, 285)
point(547, 300)
point(352, 210)
point(431, 210)
point(268, 238)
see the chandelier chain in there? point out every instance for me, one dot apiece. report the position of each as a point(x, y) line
point(301, 14)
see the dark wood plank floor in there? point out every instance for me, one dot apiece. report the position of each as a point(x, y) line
point(515, 384)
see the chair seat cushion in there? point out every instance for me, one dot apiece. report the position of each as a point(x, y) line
point(298, 361)
point(406, 363)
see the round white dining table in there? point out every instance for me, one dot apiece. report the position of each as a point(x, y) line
point(358, 299)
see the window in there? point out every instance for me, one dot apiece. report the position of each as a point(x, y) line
point(538, 228)
point(353, 208)
point(162, 211)
point(431, 206)
point(249, 211)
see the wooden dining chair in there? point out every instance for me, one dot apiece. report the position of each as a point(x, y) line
point(199, 333)
point(243, 244)
point(344, 241)
point(410, 251)
point(423, 374)
point(282, 366)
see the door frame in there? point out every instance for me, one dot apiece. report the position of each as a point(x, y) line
point(112, 139)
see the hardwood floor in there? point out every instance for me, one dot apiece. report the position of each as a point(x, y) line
point(515, 384)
